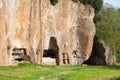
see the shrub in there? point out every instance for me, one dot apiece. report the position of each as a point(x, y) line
point(8, 47)
point(96, 4)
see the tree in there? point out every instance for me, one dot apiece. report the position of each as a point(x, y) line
point(90, 1)
point(96, 4)
point(108, 27)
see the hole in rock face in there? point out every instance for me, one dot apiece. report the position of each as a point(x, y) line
point(63, 55)
point(65, 58)
point(19, 54)
point(50, 53)
point(64, 45)
point(98, 54)
point(53, 50)
point(64, 62)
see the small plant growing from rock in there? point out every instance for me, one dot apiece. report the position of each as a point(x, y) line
point(8, 47)
point(53, 2)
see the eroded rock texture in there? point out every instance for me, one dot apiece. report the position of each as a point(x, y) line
point(3, 47)
point(72, 26)
point(65, 30)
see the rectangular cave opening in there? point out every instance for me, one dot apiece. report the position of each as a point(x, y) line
point(52, 52)
point(65, 58)
point(19, 54)
point(52, 55)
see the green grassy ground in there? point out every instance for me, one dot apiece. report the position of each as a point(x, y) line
point(28, 71)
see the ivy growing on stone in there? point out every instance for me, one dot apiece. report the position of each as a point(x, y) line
point(53, 2)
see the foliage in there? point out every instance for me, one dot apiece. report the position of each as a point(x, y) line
point(108, 27)
point(84, 1)
point(8, 47)
point(118, 58)
point(53, 2)
point(28, 71)
point(96, 4)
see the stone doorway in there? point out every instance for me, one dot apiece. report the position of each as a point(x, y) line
point(52, 52)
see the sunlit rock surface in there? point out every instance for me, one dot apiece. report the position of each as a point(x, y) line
point(65, 30)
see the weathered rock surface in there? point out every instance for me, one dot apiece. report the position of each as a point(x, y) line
point(48, 61)
point(3, 47)
point(35, 25)
point(101, 54)
point(72, 26)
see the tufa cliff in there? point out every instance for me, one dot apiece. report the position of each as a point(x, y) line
point(36, 31)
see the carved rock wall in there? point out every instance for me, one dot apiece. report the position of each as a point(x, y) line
point(72, 25)
point(31, 24)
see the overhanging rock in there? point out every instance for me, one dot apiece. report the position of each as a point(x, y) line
point(101, 54)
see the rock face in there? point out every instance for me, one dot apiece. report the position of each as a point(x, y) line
point(3, 47)
point(101, 54)
point(65, 31)
point(71, 24)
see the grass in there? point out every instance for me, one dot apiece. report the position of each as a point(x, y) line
point(95, 73)
point(29, 71)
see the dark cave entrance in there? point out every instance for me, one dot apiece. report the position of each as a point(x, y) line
point(53, 50)
point(18, 53)
point(98, 54)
